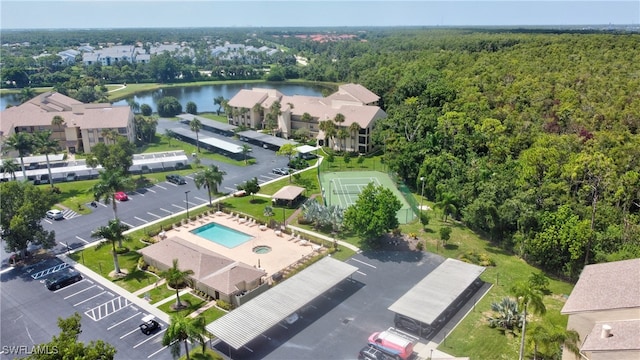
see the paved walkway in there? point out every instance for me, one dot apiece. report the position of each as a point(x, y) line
point(321, 236)
point(149, 288)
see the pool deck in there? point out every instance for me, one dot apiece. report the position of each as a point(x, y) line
point(285, 250)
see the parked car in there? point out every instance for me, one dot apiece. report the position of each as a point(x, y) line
point(149, 325)
point(240, 193)
point(371, 353)
point(281, 171)
point(176, 179)
point(395, 342)
point(121, 196)
point(55, 214)
point(62, 278)
point(71, 176)
point(291, 318)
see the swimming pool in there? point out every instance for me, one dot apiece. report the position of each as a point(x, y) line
point(222, 235)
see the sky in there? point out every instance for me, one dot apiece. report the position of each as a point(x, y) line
point(101, 14)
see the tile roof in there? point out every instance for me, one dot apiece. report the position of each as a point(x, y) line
point(247, 98)
point(613, 285)
point(288, 192)
point(359, 92)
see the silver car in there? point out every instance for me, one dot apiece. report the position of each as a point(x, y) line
point(55, 214)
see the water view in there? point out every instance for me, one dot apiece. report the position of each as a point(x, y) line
point(201, 95)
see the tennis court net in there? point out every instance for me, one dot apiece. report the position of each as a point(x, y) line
point(347, 190)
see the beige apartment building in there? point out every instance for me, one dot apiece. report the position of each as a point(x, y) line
point(84, 124)
point(358, 105)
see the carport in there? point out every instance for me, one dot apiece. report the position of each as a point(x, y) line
point(437, 297)
point(265, 139)
point(249, 321)
point(208, 141)
point(288, 194)
point(209, 125)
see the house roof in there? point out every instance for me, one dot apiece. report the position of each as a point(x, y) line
point(623, 336)
point(607, 286)
point(209, 268)
point(40, 110)
point(288, 192)
point(359, 92)
point(247, 98)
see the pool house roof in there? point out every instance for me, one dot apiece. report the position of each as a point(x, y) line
point(288, 193)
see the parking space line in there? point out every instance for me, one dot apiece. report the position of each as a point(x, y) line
point(153, 191)
point(179, 207)
point(139, 193)
point(201, 199)
point(363, 263)
point(163, 188)
point(127, 319)
point(143, 220)
point(81, 239)
point(361, 273)
point(129, 333)
point(230, 188)
point(154, 215)
point(172, 184)
point(85, 300)
point(49, 221)
point(164, 347)
point(79, 292)
point(150, 338)
point(103, 309)
point(165, 210)
point(129, 225)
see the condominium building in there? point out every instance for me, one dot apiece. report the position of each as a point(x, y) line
point(84, 125)
point(358, 106)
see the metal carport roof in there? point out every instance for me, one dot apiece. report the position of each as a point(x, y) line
point(211, 141)
point(429, 298)
point(208, 122)
point(250, 320)
point(265, 138)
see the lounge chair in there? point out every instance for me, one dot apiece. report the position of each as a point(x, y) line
point(230, 216)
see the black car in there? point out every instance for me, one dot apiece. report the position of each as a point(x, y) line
point(176, 179)
point(371, 353)
point(149, 325)
point(62, 278)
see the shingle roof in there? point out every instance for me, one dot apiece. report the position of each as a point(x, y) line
point(288, 192)
point(613, 285)
point(359, 92)
point(40, 110)
point(625, 336)
point(210, 268)
point(247, 98)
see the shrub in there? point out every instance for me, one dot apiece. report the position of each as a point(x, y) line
point(142, 265)
point(420, 246)
point(223, 305)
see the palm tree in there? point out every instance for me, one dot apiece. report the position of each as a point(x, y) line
point(257, 109)
point(548, 340)
point(447, 204)
point(196, 126)
point(176, 278)
point(339, 119)
point(22, 142)
point(112, 232)
point(58, 121)
point(169, 135)
point(27, 94)
point(246, 149)
point(218, 100)
point(329, 129)
point(134, 105)
point(354, 129)
point(110, 182)
point(342, 135)
point(109, 134)
point(210, 178)
point(10, 167)
point(529, 297)
point(182, 330)
point(44, 144)
point(268, 212)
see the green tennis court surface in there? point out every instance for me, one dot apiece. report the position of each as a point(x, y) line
point(343, 189)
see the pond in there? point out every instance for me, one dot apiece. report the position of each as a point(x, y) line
point(202, 96)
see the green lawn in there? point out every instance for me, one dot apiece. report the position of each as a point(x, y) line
point(194, 304)
point(158, 293)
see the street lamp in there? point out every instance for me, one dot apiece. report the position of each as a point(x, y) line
point(422, 193)
point(186, 196)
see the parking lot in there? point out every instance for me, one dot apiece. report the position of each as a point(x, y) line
point(29, 314)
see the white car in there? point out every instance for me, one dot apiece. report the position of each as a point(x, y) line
point(55, 214)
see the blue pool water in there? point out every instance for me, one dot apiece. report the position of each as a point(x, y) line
point(221, 235)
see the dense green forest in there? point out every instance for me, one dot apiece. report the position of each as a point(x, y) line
point(528, 137)
point(533, 138)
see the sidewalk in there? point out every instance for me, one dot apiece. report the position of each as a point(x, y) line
point(321, 236)
point(149, 288)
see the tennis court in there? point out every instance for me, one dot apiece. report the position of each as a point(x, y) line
point(343, 189)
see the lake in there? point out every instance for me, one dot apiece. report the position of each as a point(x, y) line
point(201, 95)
